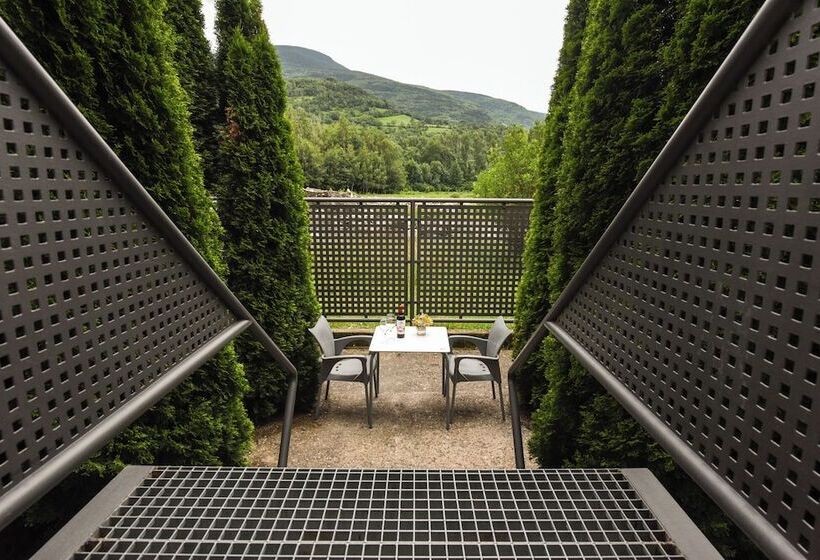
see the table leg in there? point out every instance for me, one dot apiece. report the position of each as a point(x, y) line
point(445, 389)
point(378, 372)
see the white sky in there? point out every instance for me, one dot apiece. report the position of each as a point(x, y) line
point(506, 49)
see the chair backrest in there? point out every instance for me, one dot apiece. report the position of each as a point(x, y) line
point(499, 333)
point(323, 334)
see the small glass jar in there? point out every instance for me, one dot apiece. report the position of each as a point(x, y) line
point(421, 330)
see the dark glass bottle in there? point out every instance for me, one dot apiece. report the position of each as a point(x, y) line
point(400, 321)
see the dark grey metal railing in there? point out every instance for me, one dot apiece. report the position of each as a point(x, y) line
point(106, 306)
point(698, 307)
point(456, 259)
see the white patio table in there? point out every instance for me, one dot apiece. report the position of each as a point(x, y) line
point(435, 341)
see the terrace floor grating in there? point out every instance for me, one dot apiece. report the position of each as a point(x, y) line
point(204, 513)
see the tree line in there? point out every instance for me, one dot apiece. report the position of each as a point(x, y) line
point(342, 153)
point(628, 72)
point(193, 126)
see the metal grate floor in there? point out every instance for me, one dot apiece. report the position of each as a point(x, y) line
point(204, 513)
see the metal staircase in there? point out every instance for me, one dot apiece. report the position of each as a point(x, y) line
point(698, 310)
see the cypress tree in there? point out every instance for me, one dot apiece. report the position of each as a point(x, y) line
point(195, 66)
point(704, 33)
point(533, 296)
point(261, 201)
point(633, 85)
point(114, 59)
point(613, 103)
point(625, 103)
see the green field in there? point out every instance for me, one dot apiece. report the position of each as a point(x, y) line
point(423, 194)
point(349, 327)
point(398, 120)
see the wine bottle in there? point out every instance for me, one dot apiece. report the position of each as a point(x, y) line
point(400, 320)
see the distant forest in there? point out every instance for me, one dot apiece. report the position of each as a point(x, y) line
point(370, 134)
point(347, 138)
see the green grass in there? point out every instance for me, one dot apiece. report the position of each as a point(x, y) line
point(452, 327)
point(397, 120)
point(436, 129)
point(423, 194)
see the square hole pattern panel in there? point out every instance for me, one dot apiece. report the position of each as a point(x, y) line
point(360, 253)
point(202, 513)
point(470, 258)
point(707, 306)
point(94, 304)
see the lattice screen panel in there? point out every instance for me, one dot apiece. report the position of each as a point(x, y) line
point(360, 257)
point(470, 258)
point(707, 307)
point(94, 305)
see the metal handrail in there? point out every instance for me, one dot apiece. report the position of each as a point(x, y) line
point(29, 70)
point(31, 488)
point(766, 23)
point(512, 385)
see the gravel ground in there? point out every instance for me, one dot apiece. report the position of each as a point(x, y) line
point(408, 424)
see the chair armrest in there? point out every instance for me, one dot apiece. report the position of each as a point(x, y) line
point(491, 361)
point(330, 361)
point(345, 341)
point(480, 343)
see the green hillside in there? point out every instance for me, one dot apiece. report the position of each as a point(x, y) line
point(499, 110)
point(330, 98)
point(433, 106)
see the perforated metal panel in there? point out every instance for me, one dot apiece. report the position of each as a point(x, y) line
point(203, 513)
point(460, 259)
point(470, 257)
point(94, 304)
point(707, 309)
point(360, 256)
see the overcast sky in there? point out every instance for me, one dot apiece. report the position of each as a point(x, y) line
point(505, 49)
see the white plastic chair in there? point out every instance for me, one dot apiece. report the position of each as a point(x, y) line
point(485, 367)
point(344, 367)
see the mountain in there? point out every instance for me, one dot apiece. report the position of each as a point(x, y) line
point(423, 103)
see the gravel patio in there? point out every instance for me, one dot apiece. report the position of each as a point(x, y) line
point(408, 424)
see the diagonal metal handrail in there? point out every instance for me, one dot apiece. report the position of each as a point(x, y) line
point(766, 23)
point(29, 70)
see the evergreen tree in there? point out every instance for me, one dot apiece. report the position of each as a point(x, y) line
point(195, 66)
point(632, 87)
point(614, 100)
point(130, 90)
point(704, 34)
point(114, 59)
point(533, 297)
point(261, 201)
point(641, 67)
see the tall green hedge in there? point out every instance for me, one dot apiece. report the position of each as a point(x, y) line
point(533, 296)
point(194, 62)
point(259, 185)
point(114, 59)
point(613, 102)
point(641, 66)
